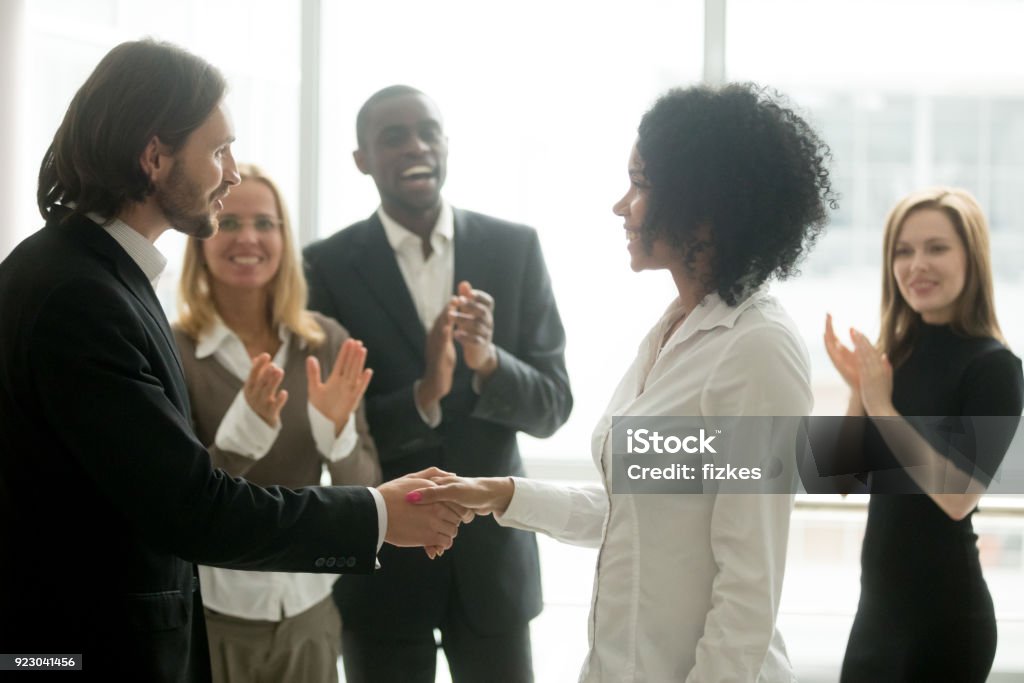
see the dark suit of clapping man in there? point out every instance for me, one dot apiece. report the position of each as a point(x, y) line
point(106, 496)
point(457, 312)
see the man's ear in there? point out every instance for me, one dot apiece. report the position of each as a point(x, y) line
point(360, 158)
point(156, 159)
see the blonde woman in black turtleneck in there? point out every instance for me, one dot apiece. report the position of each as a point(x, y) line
point(925, 613)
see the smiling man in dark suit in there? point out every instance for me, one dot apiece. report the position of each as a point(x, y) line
point(106, 496)
point(457, 312)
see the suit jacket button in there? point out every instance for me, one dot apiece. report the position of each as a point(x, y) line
point(319, 562)
point(351, 562)
point(331, 561)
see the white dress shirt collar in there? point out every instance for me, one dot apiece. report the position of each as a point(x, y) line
point(429, 281)
point(212, 337)
point(215, 335)
point(440, 236)
point(710, 313)
point(145, 255)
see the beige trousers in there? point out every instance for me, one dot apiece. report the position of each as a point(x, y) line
point(299, 649)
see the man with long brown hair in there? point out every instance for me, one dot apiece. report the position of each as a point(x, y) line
point(106, 496)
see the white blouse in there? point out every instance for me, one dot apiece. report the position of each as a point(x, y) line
point(687, 586)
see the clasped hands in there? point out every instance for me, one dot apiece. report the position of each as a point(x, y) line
point(865, 369)
point(426, 508)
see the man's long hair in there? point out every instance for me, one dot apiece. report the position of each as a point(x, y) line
point(139, 90)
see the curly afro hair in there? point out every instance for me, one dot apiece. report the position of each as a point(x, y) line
point(737, 160)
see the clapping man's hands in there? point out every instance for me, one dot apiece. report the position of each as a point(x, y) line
point(469, 319)
point(474, 329)
point(436, 382)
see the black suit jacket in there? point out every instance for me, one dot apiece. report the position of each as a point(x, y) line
point(355, 278)
point(106, 496)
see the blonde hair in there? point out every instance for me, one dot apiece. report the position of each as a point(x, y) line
point(974, 313)
point(288, 291)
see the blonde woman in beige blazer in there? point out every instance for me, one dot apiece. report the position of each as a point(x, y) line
point(275, 393)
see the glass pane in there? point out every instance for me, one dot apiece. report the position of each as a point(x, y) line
point(888, 128)
point(956, 130)
point(909, 94)
point(1008, 132)
point(900, 109)
point(1006, 211)
point(260, 61)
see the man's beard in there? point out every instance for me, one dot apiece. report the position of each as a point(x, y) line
point(183, 204)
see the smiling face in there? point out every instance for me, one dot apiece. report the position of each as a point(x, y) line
point(406, 152)
point(201, 175)
point(633, 210)
point(246, 251)
point(930, 264)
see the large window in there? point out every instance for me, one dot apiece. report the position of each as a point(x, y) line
point(541, 101)
point(254, 42)
point(908, 94)
point(541, 104)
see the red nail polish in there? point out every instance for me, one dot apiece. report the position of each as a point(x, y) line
point(413, 496)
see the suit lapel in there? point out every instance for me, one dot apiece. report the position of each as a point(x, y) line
point(469, 262)
point(134, 280)
point(378, 268)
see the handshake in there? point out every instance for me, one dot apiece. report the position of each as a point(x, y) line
point(426, 508)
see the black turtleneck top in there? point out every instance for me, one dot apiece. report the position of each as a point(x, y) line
point(915, 556)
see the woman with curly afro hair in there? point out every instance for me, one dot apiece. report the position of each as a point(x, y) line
point(728, 188)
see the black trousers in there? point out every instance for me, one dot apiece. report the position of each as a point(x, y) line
point(472, 657)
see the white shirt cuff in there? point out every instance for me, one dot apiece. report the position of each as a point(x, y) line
point(382, 517)
point(244, 432)
point(571, 514)
point(539, 506)
point(431, 415)
point(331, 447)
